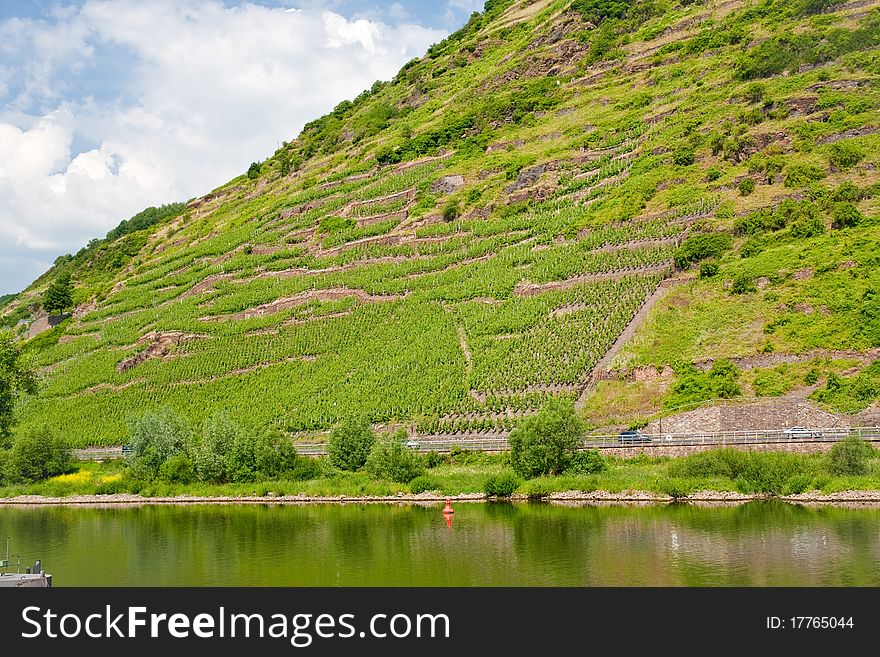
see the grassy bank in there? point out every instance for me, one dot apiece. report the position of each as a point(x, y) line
point(718, 470)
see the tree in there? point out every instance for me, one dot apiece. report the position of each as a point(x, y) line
point(59, 295)
point(156, 437)
point(850, 457)
point(253, 171)
point(210, 454)
point(350, 443)
point(391, 459)
point(545, 442)
point(16, 380)
point(36, 454)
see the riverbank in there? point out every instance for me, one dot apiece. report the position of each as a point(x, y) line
point(722, 476)
point(594, 497)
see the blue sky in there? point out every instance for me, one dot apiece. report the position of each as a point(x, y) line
point(108, 106)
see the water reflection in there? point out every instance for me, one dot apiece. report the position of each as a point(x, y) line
point(760, 543)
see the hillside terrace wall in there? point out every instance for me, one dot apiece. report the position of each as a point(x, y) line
point(683, 450)
point(768, 415)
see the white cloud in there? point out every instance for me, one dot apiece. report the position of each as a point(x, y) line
point(210, 88)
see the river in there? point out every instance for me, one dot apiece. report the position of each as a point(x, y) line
point(520, 544)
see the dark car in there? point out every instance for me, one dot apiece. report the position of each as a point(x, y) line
point(633, 436)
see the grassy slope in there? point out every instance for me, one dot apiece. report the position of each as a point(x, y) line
point(416, 318)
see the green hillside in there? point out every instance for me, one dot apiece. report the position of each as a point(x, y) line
point(455, 245)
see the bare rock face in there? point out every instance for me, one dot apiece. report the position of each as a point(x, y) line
point(447, 184)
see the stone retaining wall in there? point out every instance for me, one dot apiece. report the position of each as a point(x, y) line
point(684, 450)
point(764, 415)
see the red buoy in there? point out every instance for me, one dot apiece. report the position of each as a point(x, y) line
point(448, 508)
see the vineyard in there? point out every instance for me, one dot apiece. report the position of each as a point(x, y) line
point(455, 268)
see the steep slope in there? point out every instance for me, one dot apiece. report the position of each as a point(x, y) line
point(453, 246)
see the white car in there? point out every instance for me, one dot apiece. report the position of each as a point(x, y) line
point(798, 432)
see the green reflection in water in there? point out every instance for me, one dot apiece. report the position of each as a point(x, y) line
point(755, 544)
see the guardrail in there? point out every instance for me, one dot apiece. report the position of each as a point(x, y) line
point(499, 443)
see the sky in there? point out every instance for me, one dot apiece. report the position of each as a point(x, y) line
point(110, 106)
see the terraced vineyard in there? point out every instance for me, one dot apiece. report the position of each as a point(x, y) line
point(456, 245)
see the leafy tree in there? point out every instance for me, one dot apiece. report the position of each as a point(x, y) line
point(850, 457)
point(545, 442)
point(350, 443)
point(210, 454)
point(262, 456)
point(145, 219)
point(59, 295)
point(391, 459)
point(156, 437)
point(36, 454)
point(16, 379)
point(253, 171)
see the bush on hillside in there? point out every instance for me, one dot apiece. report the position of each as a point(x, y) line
point(391, 459)
point(708, 269)
point(545, 442)
point(700, 247)
point(350, 443)
point(846, 215)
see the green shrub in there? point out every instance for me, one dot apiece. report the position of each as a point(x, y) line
point(775, 473)
point(846, 215)
point(850, 456)
point(713, 173)
point(178, 469)
point(743, 284)
point(391, 459)
point(350, 443)
point(847, 191)
point(36, 454)
point(587, 462)
point(675, 488)
point(844, 155)
point(450, 212)
point(423, 484)
point(746, 186)
point(807, 226)
point(501, 485)
point(544, 443)
point(700, 247)
point(253, 171)
point(693, 386)
point(708, 269)
point(683, 156)
point(752, 246)
point(803, 175)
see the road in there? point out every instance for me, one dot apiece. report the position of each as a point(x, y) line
point(498, 442)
